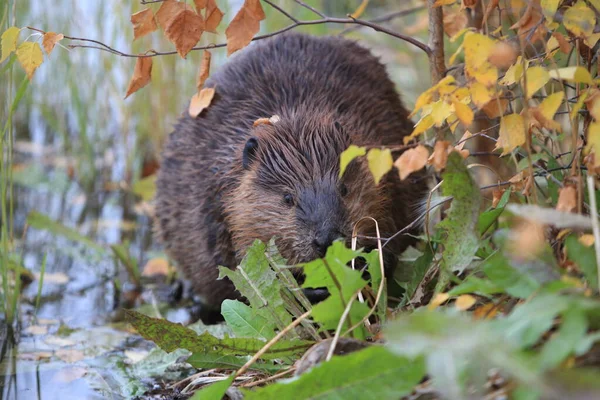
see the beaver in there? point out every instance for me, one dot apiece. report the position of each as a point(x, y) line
point(225, 181)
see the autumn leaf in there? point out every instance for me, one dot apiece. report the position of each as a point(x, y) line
point(536, 78)
point(592, 103)
point(360, 10)
point(29, 55)
point(244, 26)
point(548, 108)
point(212, 17)
point(9, 42)
point(455, 20)
point(424, 123)
point(439, 157)
point(549, 8)
point(563, 43)
point(440, 110)
point(142, 74)
point(204, 70)
point(513, 74)
point(168, 10)
point(464, 113)
point(380, 163)
point(478, 49)
point(350, 154)
point(411, 160)
point(495, 108)
point(201, 101)
point(464, 302)
point(503, 55)
point(579, 19)
point(567, 199)
point(200, 5)
point(512, 133)
point(480, 94)
point(439, 3)
point(143, 23)
point(50, 39)
point(156, 266)
point(530, 22)
point(575, 74)
point(184, 31)
point(438, 300)
point(593, 142)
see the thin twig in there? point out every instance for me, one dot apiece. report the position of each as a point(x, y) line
point(387, 18)
point(303, 4)
point(595, 225)
point(270, 378)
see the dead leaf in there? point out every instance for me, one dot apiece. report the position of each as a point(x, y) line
point(496, 196)
point(592, 103)
point(212, 17)
point(469, 3)
point(487, 311)
point(156, 266)
point(50, 40)
point(503, 55)
point(37, 356)
point(491, 6)
point(464, 302)
point(70, 355)
point(463, 113)
point(567, 199)
point(200, 101)
point(200, 5)
point(438, 300)
point(531, 20)
point(168, 10)
point(495, 108)
point(244, 25)
point(411, 160)
point(142, 73)
point(143, 23)
point(360, 10)
point(455, 20)
point(563, 43)
point(586, 240)
point(204, 70)
point(439, 157)
point(184, 31)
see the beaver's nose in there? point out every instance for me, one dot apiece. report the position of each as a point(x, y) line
point(324, 238)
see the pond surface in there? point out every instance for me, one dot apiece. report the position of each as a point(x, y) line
point(80, 153)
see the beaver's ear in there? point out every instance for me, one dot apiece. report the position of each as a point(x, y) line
point(249, 152)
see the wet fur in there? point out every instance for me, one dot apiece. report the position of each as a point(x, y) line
point(210, 206)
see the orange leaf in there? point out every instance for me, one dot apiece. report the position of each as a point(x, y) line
point(156, 266)
point(495, 108)
point(567, 199)
point(563, 43)
point(469, 3)
point(503, 55)
point(592, 103)
point(213, 16)
point(464, 302)
point(244, 25)
point(439, 157)
point(491, 5)
point(143, 23)
point(141, 75)
point(204, 70)
point(168, 10)
point(200, 5)
point(438, 300)
point(455, 20)
point(201, 101)
point(411, 160)
point(184, 31)
point(50, 40)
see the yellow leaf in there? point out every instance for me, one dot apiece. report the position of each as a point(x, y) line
point(440, 111)
point(360, 10)
point(512, 133)
point(438, 300)
point(464, 302)
point(30, 57)
point(9, 42)
point(439, 3)
point(536, 78)
point(184, 31)
point(480, 94)
point(513, 74)
point(425, 123)
point(591, 40)
point(452, 58)
point(350, 154)
point(411, 160)
point(462, 95)
point(575, 74)
point(478, 49)
point(244, 25)
point(587, 240)
point(50, 40)
point(592, 103)
point(577, 107)
point(550, 105)
point(464, 113)
point(143, 23)
point(380, 163)
point(579, 19)
point(593, 142)
point(549, 8)
point(142, 74)
point(200, 101)
point(425, 98)
point(156, 266)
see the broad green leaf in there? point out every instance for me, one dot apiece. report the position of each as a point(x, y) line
point(210, 361)
point(564, 342)
point(584, 257)
point(170, 336)
point(459, 227)
point(258, 283)
point(488, 217)
point(350, 154)
point(145, 188)
point(380, 163)
point(30, 56)
point(410, 275)
point(371, 373)
point(536, 78)
point(247, 322)
point(43, 222)
point(9, 42)
point(215, 391)
point(514, 282)
point(473, 284)
point(574, 74)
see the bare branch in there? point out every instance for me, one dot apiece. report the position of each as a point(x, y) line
point(386, 18)
point(275, 6)
point(303, 4)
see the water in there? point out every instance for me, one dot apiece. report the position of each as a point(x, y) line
point(79, 149)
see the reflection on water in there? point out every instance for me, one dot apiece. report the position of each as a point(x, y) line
point(79, 148)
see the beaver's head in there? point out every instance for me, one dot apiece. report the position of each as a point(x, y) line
point(290, 188)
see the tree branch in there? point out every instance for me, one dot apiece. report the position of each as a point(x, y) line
point(437, 65)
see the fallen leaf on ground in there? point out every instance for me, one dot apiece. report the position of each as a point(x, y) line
point(37, 329)
point(200, 101)
point(142, 74)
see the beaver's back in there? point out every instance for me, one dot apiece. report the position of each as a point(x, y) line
point(288, 75)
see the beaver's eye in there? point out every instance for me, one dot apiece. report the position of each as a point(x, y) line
point(288, 199)
point(343, 190)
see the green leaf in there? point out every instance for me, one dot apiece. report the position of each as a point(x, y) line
point(488, 217)
point(247, 322)
point(380, 163)
point(459, 227)
point(415, 273)
point(371, 373)
point(584, 257)
point(9, 42)
point(258, 283)
point(145, 188)
point(374, 269)
point(170, 336)
point(216, 391)
point(570, 334)
point(43, 222)
point(350, 154)
point(503, 275)
point(473, 284)
point(210, 361)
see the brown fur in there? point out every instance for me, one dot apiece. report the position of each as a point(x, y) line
point(210, 208)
